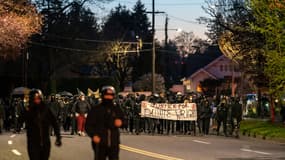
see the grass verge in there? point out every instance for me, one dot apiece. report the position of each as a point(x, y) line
point(264, 129)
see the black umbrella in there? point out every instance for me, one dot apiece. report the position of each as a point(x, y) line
point(65, 94)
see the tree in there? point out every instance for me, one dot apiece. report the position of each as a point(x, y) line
point(210, 86)
point(117, 62)
point(188, 43)
point(271, 23)
point(141, 25)
point(18, 21)
point(62, 43)
point(169, 63)
point(128, 28)
point(230, 28)
point(145, 81)
point(118, 25)
point(141, 22)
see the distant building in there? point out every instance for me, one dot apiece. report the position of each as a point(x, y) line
point(211, 64)
point(220, 68)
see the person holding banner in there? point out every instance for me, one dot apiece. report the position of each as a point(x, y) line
point(206, 113)
point(102, 126)
point(222, 114)
point(155, 123)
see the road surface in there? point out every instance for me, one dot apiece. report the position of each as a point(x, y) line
point(156, 147)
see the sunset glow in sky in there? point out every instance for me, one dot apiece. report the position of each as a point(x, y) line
point(182, 14)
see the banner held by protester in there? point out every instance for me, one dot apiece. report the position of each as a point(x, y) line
point(177, 111)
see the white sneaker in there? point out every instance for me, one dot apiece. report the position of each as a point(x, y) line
point(82, 134)
point(79, 133)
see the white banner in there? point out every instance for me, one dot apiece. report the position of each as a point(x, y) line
point(178, 111)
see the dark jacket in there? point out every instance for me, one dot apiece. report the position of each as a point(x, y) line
point(222, 111)
point(38, 119)
point(206, 113)
point(100, 122)
point(81, 107)
point(55, 108)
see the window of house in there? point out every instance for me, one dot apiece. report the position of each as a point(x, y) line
point(231, 68)
point(236, 68)
point(226, 68)
point(221, 68)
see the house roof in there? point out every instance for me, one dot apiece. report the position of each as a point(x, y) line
point(203, 70)
point(214, 61)
point(196, 62)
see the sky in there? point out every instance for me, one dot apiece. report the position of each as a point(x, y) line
point(182, 15)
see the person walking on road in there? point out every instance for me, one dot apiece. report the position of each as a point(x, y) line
point(102, 126)
point(38, 118)
point(81, 109)
point(55, 108)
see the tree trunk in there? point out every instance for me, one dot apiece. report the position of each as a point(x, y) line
point(272, 106)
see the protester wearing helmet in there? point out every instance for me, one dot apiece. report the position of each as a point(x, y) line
point(102, 125)
point(38, 119)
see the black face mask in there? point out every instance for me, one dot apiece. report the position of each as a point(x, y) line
point(107, 101)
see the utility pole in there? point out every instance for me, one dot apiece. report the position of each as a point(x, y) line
point(153, 12)
point(153, 47)
point(166, 30)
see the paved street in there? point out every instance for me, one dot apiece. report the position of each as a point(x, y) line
point(147, 147)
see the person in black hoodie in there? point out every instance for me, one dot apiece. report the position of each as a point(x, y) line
point(102, 126)
point(38, 119)
point(205, 116)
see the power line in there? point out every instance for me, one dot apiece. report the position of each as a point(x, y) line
point(178, 4)
point(93, 40)
point(184, 20)
point(61, 48)
point(82, 50)
point(96, 51)
point(165, 4)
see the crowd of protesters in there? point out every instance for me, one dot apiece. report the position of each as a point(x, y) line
point(212, 112)
point(103, 115)
point(71, 113)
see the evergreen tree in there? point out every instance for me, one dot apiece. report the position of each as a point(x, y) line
point(118, 25)
point(57, 46)
point(142, 30)
point(141, 22)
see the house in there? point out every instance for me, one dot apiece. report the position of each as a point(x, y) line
point(216, 67)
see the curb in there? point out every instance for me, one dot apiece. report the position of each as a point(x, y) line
point(261, 137)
